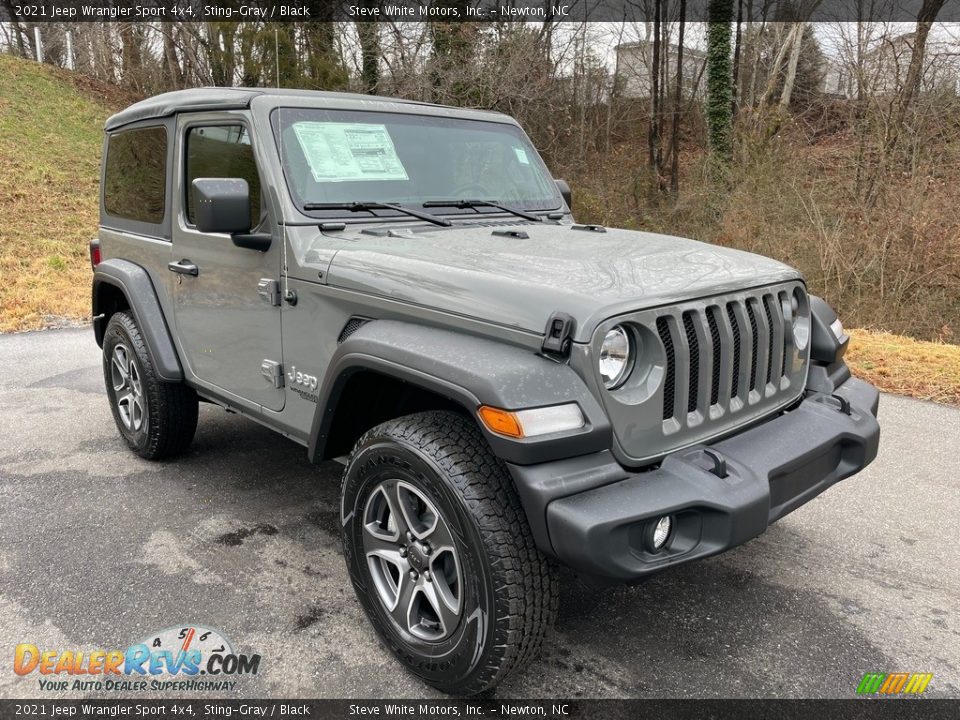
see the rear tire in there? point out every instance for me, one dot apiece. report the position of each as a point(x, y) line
point(156, 419)
point(472, 595)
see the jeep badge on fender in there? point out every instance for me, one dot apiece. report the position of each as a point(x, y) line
point(507, 389)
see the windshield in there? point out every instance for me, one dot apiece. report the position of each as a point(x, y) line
point(338, 156)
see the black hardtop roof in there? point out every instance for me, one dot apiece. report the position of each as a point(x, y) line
point(225, 98)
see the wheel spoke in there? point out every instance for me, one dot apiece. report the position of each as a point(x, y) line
point(395, 498)
point(374, 542)
point(440, 537)
point(381, 517)
point(137, 414)
point(403, 607)
point(448, 617)
point(135, 378)
point(447, 578)
point(118, 368)
point(124, 404)
point(418, 512)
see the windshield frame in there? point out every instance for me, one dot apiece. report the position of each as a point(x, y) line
point(555, 203)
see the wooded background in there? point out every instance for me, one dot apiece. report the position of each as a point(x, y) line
point(835, 148)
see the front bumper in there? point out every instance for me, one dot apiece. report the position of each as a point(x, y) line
point(596, 516)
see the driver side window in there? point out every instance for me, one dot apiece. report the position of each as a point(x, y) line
point(221, 151)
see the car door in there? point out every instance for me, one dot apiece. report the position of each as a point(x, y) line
point(227, 317)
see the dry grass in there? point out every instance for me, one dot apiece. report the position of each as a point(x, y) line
point(50, 136)
point(51, 126)
point(902, 365)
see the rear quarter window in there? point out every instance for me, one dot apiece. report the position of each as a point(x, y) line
point(134, 178)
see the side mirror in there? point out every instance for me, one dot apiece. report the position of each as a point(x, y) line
point(222, 205)
point(565, 193)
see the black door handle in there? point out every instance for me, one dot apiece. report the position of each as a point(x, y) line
point(184, 267)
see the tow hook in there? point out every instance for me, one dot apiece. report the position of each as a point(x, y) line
point(719, 463)
point(843, 402)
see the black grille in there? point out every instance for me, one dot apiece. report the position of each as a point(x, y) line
point(717, 350)
point(353, 324)
point(718, 338)
point(735, 329)
point(669, 384)
point(694, 345)
point(755, 353)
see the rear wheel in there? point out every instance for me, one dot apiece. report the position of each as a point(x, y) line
point(156, 419)
point(440, 553)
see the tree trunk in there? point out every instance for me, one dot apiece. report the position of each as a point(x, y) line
point(736, 57)
point(174, 73)
point(792, 67)
point(719, 90)
point(677, 100)
point(928, 13)
point(907, 95)
point(653, 136)
point(774, 77)
point(369, 35)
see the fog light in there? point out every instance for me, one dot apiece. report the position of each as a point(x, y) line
point(662, 531)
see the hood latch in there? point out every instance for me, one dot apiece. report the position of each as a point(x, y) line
point(559, 334)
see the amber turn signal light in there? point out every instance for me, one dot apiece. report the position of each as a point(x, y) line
point(501, 422)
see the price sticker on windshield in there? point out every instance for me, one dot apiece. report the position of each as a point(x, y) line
point(348, 152)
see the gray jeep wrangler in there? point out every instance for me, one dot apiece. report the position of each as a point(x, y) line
point(402, 287)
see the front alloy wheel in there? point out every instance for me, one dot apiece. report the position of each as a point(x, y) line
point(440, 553)
point(412, 560)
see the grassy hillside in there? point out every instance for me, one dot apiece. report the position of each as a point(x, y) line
point(50, 139)
point(51, 125)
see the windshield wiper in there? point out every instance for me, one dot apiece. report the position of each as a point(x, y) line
point(465, 204)
point(364, 205)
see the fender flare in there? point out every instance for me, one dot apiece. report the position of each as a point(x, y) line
point(471, 371)
point(134, 282)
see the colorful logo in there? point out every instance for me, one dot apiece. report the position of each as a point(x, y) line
point(154, 663)
point(894, 683)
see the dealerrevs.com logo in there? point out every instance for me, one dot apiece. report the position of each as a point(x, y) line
point(188, 658)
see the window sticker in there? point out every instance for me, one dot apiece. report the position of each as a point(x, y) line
point(521, 156)
point(347, 152)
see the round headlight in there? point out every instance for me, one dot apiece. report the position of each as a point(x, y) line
point(801, 319)
point(615, 357)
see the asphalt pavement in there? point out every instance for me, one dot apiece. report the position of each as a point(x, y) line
point(100, 549)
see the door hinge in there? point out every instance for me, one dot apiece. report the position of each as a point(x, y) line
point(272, 371)
point(269, 290)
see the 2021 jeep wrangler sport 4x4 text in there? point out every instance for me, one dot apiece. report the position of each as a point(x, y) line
point(401, 286)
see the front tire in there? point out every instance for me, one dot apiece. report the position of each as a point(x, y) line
point(424, 495)
point(156, 419)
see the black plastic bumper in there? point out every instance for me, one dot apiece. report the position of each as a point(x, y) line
point(597, 516)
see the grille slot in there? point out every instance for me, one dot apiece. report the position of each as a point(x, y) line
point(755, 354)
point(670, 381)
point(767, 299)
point(693, 395)
point(783, 362)
point(735, 329)
point(717, 353)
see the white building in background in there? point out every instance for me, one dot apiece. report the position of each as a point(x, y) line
point(883, 69)
point(634, 60)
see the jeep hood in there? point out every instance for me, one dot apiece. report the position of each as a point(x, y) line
point(520, 282)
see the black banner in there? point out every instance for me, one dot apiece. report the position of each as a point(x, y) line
point(482, 11)
point(859, 709)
